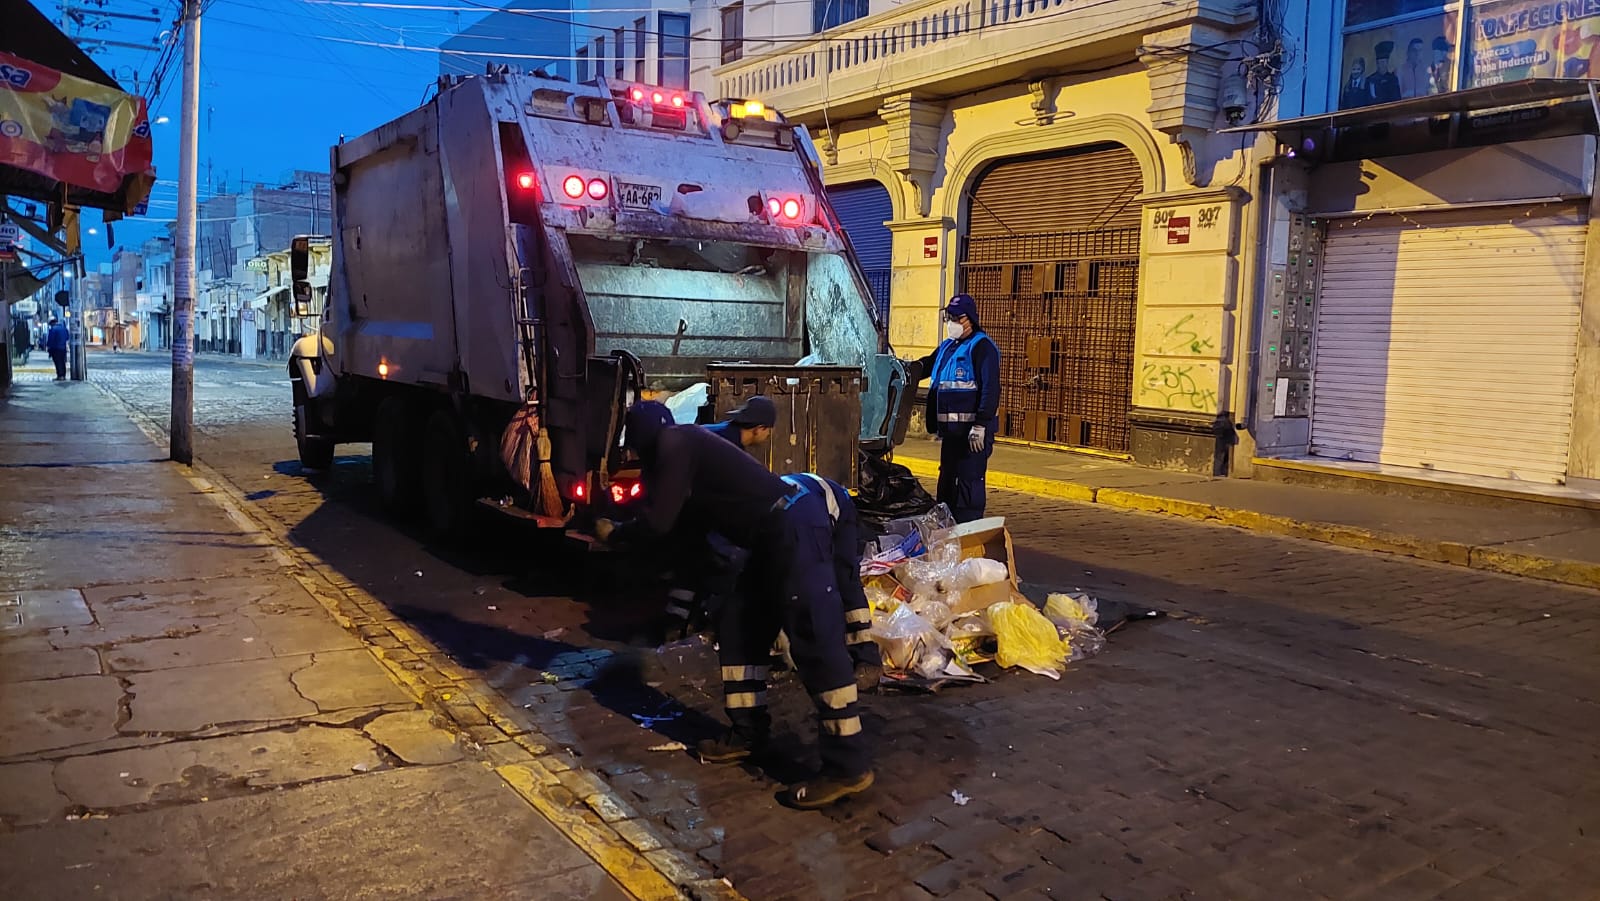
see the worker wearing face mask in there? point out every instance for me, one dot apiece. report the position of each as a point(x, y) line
point(963, 407)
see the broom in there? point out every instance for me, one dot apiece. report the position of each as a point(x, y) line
point(549, 495)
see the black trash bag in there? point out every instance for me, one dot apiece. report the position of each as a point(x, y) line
point(888, 491)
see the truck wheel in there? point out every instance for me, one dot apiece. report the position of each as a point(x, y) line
point(316, 452)
point(396, 459)
point(446, 475)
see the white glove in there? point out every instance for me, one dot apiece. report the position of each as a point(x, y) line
point(975, 438)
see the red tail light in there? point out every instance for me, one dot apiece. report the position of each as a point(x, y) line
point(573, 186)
point(638, 95)
point(598, 189)
point(578, 491)
point(791, 208)
point(677, 100)
point(657, 97)
point(525, 181)
point(774, 206)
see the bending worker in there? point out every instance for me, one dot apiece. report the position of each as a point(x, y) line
point(694, 477)
point(963, 407)
point(749, 425)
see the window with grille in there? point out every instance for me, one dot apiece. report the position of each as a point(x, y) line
point(732, 33)
point(583, 64)
point(618, 42)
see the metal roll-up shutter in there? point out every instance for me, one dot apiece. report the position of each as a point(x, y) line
point(1077, 192)
point(1448, 340)
point(863, 208)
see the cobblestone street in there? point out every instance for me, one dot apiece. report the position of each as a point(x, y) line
point(1308, 722)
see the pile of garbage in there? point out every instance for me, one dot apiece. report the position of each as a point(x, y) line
point(944, 599)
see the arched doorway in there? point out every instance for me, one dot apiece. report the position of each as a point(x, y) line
point(1050, 250)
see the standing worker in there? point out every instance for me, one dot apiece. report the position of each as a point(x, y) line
point(693, 475)
point(963, 407)
point(55, 342)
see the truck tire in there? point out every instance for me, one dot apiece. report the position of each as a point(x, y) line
point(446, 475)
point(396, 457)
point(316, 452)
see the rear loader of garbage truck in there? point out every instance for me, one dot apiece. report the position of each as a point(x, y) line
point(518, 260)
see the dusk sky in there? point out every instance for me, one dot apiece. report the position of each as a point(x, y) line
point(281, 79)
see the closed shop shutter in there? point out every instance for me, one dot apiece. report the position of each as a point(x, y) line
point(1448, 341)
point(863, 209)
point(1079, 192)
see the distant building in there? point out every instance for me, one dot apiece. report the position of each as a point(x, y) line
point(525, 42)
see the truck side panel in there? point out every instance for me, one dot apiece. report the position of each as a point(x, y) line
point(395, 257)
point(481, 251)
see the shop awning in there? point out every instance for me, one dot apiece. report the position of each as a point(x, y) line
point(1471, 100)
point(260, 302)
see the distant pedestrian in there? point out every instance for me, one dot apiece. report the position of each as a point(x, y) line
point(55, 341)
point(963, 407)
point(21, 340)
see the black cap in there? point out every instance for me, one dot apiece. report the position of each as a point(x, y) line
point(757, 411)
point(644, 423)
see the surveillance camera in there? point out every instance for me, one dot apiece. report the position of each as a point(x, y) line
point(1233, 98)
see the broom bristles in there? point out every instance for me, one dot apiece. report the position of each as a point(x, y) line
point(549, 494)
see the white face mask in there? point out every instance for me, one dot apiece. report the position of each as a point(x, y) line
point(952, 331)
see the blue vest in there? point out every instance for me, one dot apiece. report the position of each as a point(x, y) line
point(955, 382)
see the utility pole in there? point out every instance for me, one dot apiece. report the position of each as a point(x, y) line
point(182, 431)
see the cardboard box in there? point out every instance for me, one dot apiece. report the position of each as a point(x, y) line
point(986, 538)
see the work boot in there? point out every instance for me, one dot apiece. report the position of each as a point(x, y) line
point(815, 794)
point(731, 747)
point(868, 677)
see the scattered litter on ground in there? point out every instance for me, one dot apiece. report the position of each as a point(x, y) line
point(123, 775)
point(419, 573)
point(248, 640)
point(671, 746)
point(480, 591)
point(493, 607)
point(362, 767)
point(549, 678)
point(553, 634)
point(960, 799)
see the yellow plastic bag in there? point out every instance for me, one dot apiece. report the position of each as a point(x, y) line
point(1027, 639)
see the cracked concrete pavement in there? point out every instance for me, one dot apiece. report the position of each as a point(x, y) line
point(180, 717)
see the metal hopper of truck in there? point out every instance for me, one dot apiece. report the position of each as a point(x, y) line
point(520, 258)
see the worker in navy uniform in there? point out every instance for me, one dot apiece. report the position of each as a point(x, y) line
point(789, 584)
point(963, 407)
point(749, 425)
point(1383, 85)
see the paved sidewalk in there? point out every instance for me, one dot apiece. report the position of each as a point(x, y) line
point(181, 717)
point(1556, 543)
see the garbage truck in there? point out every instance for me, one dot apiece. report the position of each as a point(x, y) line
point(519, 259)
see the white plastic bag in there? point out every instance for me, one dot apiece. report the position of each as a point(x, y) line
point(975, 572)
point(906, 639)
point(685, 405)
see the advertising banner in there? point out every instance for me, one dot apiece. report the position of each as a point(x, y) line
point(1398, 61)
point(1517, 39)
point(68, 128)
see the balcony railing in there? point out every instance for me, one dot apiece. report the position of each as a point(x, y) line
point(976, 42)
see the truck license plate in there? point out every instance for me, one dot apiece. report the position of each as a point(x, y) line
point(638, 197)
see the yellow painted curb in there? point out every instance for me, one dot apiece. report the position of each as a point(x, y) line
point(1055, 489)
point(637, 875)
point(1572, 572)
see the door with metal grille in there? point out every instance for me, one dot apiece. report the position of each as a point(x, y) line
point(1052, 258)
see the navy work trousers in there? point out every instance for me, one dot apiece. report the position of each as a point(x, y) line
point(790, 585)
point(962, 473)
